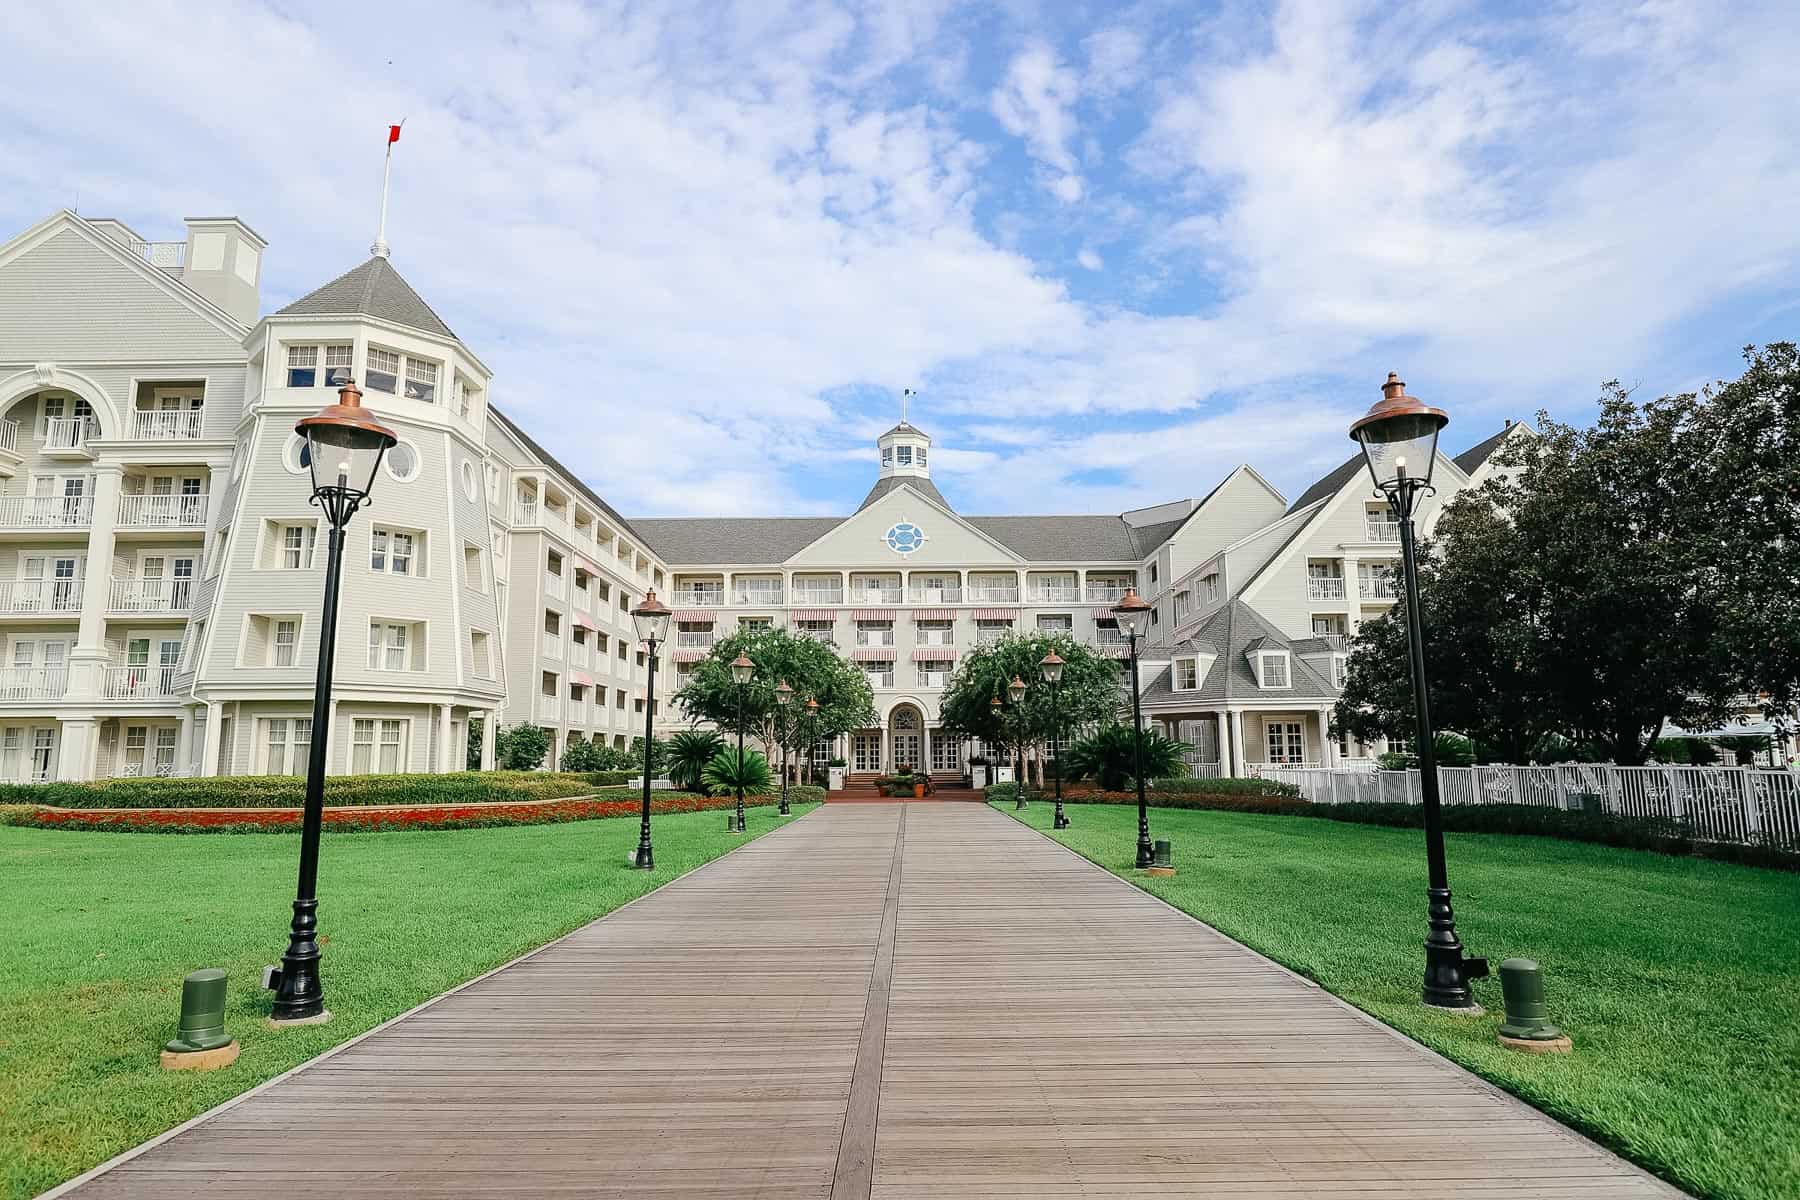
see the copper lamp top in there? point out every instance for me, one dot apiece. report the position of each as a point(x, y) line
point(651, 607)
point(1132, 601)
point(1050, 659)
point(1395, 402)
point(348, 413)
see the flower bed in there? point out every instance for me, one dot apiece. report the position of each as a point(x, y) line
point(289, 791)
point(362, 819)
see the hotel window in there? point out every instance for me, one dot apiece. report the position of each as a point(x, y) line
point(290, 547)
point(196, 634)
point(903, 455)
point(1055, 623)
point(271, 640)
point(421, 380)
point(286, 644)
point(302, 366)
point(377, 747)
point(1211, 584)
point(287, 743)
point(756, 622)
point(1286, 741)
point(474, 575)
point(392, 550)
point(1181, 606)
point(381, 370)
point(887, 456)
point(393, 646)
point(480, 661)
point(920, 456)
point(1338, 664)
point(1187, 675)
point(338, 360)
point(221, 544)
point(1274, 669)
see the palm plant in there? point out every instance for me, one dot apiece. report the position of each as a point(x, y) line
point(688, 754)
point(722, 775)
point(1106, 755)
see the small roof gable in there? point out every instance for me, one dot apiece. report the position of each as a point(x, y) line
point(917, 483)
point(1470, 460)
point(1329, 485)
point(374, 289)
point(1237, 631)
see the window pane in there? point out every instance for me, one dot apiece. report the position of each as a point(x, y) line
point(382, 373)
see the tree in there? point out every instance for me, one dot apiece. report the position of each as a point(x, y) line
point(1090, 693)
point(586, 756)
point(811, 668)
point(1108, 754)
point(521, 747)
point(723, 774)
point(659, 756)
point(689, 752)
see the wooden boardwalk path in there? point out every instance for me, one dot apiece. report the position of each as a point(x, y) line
point(909, 1002)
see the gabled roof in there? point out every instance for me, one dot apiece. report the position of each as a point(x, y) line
point(374, 289)
point(918, 483)
point(694, 540)
point(1471, 459)
point(593, 497)
point(1329, 485)
point(1236, 630)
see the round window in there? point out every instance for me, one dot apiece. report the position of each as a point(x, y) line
point(905, 537)
point(293, 455)
point(471, 485)
point(241, 459)
point(402, 461)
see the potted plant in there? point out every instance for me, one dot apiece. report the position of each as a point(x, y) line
point(978, 771)
point(835, 774)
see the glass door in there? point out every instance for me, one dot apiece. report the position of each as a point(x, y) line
point(944, 752)
point(865, 752)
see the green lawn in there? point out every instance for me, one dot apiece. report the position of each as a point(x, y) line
point(1678, 979)
point(97, 930)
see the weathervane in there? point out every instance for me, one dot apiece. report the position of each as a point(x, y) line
point(904, 394)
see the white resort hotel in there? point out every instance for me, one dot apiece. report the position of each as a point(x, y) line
point(161, 565)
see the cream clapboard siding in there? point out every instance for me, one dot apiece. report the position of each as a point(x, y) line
point(59, 295)
point(1242, 505)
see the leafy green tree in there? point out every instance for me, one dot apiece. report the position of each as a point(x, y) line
point(689, 753)
point(1108, 756)
point(659, 756)
point(1090, 694)
point(1743, 747)
point(521, 747)
point(811, 668)
point(586, 756)
point(723, 774)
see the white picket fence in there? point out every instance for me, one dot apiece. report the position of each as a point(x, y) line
point(1719, 804)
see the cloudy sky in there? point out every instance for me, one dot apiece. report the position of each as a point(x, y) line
point(1118, 248)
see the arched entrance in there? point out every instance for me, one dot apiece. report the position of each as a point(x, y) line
point(906, 738)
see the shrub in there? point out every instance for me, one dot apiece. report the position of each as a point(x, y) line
point(612, 778)
point(289, 791)
point(1108, 756)
point(689, 752)
point(724, 773)
point(806, 793)
point(659, 756)
point(586, 757)
point(1224, 787)
point(521, 747)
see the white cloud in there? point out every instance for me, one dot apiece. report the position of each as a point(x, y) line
point(1036, 103)
point(1089, 259)
point(1114, 61)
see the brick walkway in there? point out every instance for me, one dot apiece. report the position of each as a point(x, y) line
point(898, 1001)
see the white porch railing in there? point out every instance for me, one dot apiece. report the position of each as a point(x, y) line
point(1373, 588)
point(1318, 588)
point(9, 435)
point(69, 433)
point(1106, 593)
point(161, 254)
point(138, 683)
point(1053, 594)
point(760, 597)
point(993, 593)
point(525, 512)
point(930, 595)
point(688, 639)
point(698, 597)
point(874, 637)
point(803, 595)
point(165, 425)
point(1383, 531)
point(40, 595)
point(162, 512)
point(825, 637)
point(860, 594)
point(150, 595)
point(46, 512)
point(1719, 804)
point(880, 679)
point(157, 770)
point(33, 683)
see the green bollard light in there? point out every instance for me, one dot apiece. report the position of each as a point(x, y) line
point(1527, 1026)
point(1162, 859)
point(200, 1041)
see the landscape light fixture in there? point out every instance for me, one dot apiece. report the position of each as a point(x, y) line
point(344, 446)
point(741, 671)
point(651, 618)
point(1133, 616)
point(1051, 666)
point(784, 696)
point(1399, 437)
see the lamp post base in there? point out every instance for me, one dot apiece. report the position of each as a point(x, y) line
point(1062, 821)
point(1447, 971)
point(321, 1017)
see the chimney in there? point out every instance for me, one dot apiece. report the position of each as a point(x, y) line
point(1507, 426)
point(224, 264)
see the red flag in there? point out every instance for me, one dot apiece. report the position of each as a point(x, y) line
point(393, 134)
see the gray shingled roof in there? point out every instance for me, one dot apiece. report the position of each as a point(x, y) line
point(918, 483)
point(550, 459)
point(374, 289)
point(1481, 451)
point(1330, 485)
point(1235, 628)
point(694, 540)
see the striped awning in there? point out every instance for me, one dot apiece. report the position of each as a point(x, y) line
point(934, 614)
point(696, 614)
point(688, 654)
point(872, 654)
point(585, 621)
point(996, 614)
point(872, 614)
point(582, 677)
point(813, 614)
point(587, 566)
point(934, 654)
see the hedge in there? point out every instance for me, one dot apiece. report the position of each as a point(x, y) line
point(367, 820)
point(289, 791)
point(806, 793)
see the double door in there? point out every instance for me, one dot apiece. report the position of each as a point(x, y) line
point(906, 751)
point(27, 753)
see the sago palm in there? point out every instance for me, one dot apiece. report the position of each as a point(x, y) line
point(689, 752)
point(722, 775)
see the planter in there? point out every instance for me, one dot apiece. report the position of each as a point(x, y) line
point(978, 777)
point(836, 778)
point(918, 791)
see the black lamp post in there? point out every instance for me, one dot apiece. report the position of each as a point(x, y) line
point(784, 696)
point(1133, 616)
point(1399, 441)
point(1052, 667)
point(344, 445)
point(812, 735)
point(741, 670)
point(1015, 691)
point(652, 621)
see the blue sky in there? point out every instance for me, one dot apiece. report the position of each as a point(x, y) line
point(1118, 248)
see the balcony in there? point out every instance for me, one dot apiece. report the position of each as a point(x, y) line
point(68, 437)
point(943, 595)
point(880, 679)
point(757, 597)
point(138, 683)
point(1054, 594)
point(23, 597)
point(33, 683)
point(875, 593)
point(937, 637)
point(549, 708)
point(149, 595)
point(9, 436)
point(554, 586)
point(699, 597)
point(171, 256)
point(993, 593)
point(551, 645)
point(162, 512)
point(992, 636)
point(690, 639)
point(934, 679)
point(1110, 639)
point(804, 594)
point(169, 425)
point(46, 512)
point(1376, 587)
point(875, 637)
point(1383, 531)
point(1107, 593)
point(525, 512)
point(1318, 588)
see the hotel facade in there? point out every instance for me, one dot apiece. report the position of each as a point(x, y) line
point(161, 566)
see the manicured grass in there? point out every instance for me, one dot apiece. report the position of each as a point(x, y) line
point(1679, 980)
point(97, 930)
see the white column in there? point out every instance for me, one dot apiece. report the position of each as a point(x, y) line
point(1328, 755)
point(1227, 760)
point(444, 760)
point(209, 749)
point(334, 753)
point(184, 739)
point(78, 744)
point(1237, 738)
point(87, 660)
point(489, 725)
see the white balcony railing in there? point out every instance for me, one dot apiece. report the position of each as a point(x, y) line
point(554, 585)
point(992, 636)
point(172, 425)
point(525, 512)
point(1318, 588)
point(46, 512)
point(172, 255)
point(552, 646)
point(1384, 531)
point(760, 597)
point(880, 679)
point(928, 595)
point(138, 683)
point(937, 637)
point(41, 595)
point(69, 433)
point(934, 679)
point(549, 708)
point(1053, 594)
point(162, 512)
point(149, 595)
point(1109, 638)
point(874, 637)
point(1107, 593)
point(689, 639)
point(826, 637)
point(9, 435)
point(875, 595)
point(804, 594)
point(33, 683)
point(699, 597)
point(1371, 587)
point(993, 593)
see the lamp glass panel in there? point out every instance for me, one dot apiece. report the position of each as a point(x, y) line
point(1409, 438)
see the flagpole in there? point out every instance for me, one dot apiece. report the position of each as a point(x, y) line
point(380, 248)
